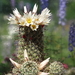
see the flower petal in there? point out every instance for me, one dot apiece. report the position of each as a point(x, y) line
point(25, 9)
point(35, 8)
point(34, 27)
point(16, 13)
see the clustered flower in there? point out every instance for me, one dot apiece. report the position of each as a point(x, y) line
point(62, 12)
point(30, 19)
point(72, 37)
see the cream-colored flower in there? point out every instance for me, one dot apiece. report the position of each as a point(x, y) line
point(12, 19)
point(34, 27)
point(35, 9)
point(25, 9)
point(44, 17)
point(45, 12)
point(22, 21)
point(36, 19)
point(29, 18)
point(23, 68)
point(16, 13)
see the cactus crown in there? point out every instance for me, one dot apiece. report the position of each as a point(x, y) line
point(29, 67)
point(56, 68)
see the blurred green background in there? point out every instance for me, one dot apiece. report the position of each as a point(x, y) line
point(55, 36)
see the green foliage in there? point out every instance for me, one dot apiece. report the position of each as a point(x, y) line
point(5, 5)
point(3, 31)
point(5, 1)
point(56, 44)
point(70, 10)
point(4, 68)
point(54, 6)
point(3, 25)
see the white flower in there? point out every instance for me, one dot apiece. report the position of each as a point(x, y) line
point(29, 18)
point(43, 20)
point(35, 9)
point(44, 17)
point(12, 19)
point(22, 21)
point(34, 27)
point(46, 21)
point(25, 9)
point(45, 12)
point(16, 13)
point(38, 20)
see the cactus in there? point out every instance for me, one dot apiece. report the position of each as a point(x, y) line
point(31, 42)
point(29, 67)
point(33, 52)
point(30, 39)
point(56, 68)
point(25, 43)
point(31, 30)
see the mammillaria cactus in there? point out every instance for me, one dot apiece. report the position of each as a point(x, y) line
point(31, 39)
point(56, 68)
point(31, 29)
point(33, 53)
point(29, 67)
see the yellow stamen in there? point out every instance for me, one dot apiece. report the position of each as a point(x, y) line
point(22, 23)
point(33, 26)
point(29, 20)
point(36, 19)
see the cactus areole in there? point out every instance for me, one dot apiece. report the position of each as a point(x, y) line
point(29, 68)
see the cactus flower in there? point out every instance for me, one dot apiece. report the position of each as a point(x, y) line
point(30, 19)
